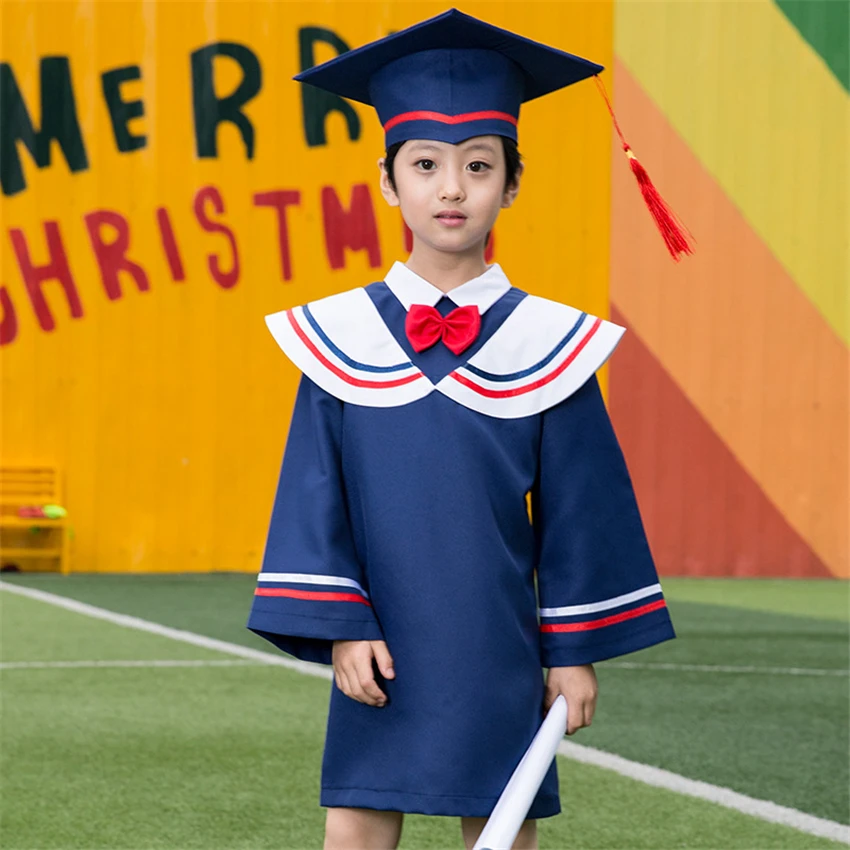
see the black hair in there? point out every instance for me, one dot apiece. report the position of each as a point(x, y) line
point(512, 160)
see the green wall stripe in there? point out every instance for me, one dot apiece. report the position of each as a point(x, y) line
point(825, 24)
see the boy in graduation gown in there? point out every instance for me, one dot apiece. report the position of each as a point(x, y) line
point(431, 403)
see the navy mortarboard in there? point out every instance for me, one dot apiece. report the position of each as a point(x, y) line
point(450, 78)
point(453, 77)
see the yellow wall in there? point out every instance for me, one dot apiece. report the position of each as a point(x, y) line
point(168, 407)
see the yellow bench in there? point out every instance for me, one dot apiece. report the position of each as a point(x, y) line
point(32, 485)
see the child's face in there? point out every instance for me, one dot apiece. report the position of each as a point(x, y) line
point(434, 177)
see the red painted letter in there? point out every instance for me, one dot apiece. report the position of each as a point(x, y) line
point(169, 244)
point(9, 325)
point(112, 256)
point(56, 268)
point(355, 229)
point(280, 199)
point(209, 193)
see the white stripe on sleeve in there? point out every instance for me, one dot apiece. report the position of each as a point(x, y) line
point(604, 605)
point(309, 578)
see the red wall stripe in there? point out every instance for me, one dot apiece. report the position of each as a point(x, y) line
point(704, 514)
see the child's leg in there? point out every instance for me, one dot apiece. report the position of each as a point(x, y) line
point(526, 837)
point(362, 829)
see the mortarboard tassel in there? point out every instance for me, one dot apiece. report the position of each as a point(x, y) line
point(671, 227)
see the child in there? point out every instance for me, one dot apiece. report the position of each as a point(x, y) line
point(400, 548)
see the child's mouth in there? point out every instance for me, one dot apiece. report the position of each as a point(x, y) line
point(451, 219)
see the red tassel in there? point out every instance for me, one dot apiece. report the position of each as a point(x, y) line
point(670, 226)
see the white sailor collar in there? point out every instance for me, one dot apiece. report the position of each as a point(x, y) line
point(541, 354)
point(482, 291)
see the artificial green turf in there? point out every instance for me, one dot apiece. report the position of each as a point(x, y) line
point(212, 604)
point(55, 634)
point(777, 737)
point(827, 599)
point(220, 758)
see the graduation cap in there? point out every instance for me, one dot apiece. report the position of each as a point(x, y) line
point(452, 77)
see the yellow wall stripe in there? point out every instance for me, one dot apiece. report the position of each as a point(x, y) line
point(765, 116)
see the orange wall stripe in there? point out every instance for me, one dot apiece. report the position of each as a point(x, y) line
point(745, 345)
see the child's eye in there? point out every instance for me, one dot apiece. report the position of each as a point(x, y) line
point(429, 161)
point(484, 166)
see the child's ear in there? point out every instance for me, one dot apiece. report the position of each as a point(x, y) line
point(513, 190)
point(386, 187)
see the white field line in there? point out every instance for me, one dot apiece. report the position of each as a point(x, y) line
point(83, 665)
point(717, 668)
point(702, 668)
point(762, 809)
point(165, 631)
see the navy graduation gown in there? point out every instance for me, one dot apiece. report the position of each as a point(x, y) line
point(408, 523)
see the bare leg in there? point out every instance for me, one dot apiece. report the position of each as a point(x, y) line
point(526, 838)
point(362, 829)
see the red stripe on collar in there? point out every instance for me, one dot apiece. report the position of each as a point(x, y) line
point(515, 391)
point(349, 379)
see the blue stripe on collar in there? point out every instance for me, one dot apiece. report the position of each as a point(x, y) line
point(342, 355)
point(513, 376)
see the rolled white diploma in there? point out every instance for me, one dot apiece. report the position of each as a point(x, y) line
point(506, 819)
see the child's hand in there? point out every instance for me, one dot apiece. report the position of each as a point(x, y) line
point(352, 662)
point(579, 687)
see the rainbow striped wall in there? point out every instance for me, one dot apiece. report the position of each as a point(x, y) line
point(730, 393)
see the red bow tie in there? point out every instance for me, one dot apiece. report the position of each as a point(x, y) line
point(425, 326)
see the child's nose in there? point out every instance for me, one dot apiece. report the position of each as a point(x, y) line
point(451, 189)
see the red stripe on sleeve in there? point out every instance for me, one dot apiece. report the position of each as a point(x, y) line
point(318, 595)
point(604, 621)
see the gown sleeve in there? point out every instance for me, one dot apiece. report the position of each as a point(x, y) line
point(598, 588)
point(311, 589)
